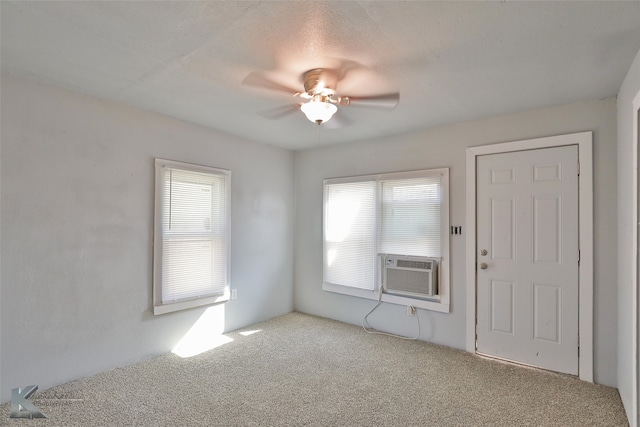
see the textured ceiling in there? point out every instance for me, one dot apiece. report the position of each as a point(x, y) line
point(450, 61)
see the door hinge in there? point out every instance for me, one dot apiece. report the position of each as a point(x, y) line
point(578, 168)
point(578, 257)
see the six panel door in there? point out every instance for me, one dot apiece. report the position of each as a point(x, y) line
point(527, 257)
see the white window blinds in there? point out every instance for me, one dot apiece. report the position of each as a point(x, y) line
point(349, 230)
point(410, 218)
point(391, 213)
point(194, 232)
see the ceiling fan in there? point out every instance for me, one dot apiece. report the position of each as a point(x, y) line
point(320, 98)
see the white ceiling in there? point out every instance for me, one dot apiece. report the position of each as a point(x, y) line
point(450, 61)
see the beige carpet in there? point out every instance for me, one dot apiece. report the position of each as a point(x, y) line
point(300, 370)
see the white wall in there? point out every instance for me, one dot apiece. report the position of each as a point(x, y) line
point(627, 162)
point(76, 226)
point(445, 147)
point(77, 217)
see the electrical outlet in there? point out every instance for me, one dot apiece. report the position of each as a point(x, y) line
point(234, 294)
point(411, 310)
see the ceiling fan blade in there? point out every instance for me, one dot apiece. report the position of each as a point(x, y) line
point(257, 79)
point(387, 101)
point(279, 112)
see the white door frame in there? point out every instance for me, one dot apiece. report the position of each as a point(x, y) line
point(585, 231)
point(635, 283)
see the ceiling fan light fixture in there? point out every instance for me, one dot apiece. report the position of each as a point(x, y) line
point(320, 101)
point(318, 111)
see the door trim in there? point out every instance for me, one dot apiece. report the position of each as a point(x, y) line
point(585, 232)
point(635, 259)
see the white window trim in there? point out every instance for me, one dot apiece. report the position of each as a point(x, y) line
point(584, 142)
point(443, 303)
point(158, 306)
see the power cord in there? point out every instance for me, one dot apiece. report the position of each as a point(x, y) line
point(365, 323)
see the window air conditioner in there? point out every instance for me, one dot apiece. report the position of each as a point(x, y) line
point(410, 276)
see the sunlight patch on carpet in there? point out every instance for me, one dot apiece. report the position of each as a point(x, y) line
point(247, 333)
point(205, 334)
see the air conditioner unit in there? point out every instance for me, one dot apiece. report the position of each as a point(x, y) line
point(410, 276)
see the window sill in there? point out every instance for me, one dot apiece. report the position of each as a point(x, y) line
point(432, 305)
point(192, 303)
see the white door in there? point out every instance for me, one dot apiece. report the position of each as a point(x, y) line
point(527, 280)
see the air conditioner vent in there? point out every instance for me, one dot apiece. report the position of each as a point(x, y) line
point(410, 276)
point(423, 265)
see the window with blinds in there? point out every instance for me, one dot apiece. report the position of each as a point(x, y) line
point(396, 213)
point(349, 230)
point(191, 239)
point(410, 216)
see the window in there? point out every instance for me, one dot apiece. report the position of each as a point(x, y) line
point(191, 239)
point(403, 213)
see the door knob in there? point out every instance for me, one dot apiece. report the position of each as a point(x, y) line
point(483, 266)
point(483, 252)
